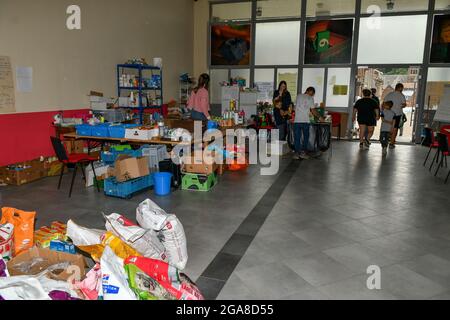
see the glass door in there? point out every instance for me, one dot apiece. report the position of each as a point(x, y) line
point(383, 80)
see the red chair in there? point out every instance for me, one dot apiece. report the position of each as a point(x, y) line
point(429, 133)
point(76, 159)
point(444, 151)
point(336, 122)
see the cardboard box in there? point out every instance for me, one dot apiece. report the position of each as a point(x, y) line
point(50, 258)
point(200, 167)
point(32, 170)
point(128, 168)
point(141, 133)
point(75, 146)
point(101, 171)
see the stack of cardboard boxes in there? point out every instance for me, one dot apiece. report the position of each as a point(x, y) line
point(199, 175)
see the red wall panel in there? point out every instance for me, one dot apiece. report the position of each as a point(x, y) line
point(26, 136)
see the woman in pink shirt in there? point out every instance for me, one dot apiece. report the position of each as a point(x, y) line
point(199, 100)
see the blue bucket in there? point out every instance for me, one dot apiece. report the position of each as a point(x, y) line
point(162, 183)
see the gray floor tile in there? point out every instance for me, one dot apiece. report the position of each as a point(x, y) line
point(356, 231)
point(431, 267)
point(319, 269)
point(322, 238)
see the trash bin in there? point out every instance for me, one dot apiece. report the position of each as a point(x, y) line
point(163, 181)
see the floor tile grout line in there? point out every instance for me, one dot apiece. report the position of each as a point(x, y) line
point(282, 180)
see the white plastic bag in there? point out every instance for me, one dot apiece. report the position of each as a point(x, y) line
point(114, 279)
point(82, 236)
point(22, 288)
point(170, 231)
point(144, 241)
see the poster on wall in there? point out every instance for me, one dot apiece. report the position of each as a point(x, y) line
point(440, 47)
point(328, 41)
point(7, 95)
point(230, 45)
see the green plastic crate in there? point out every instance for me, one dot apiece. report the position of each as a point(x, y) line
point(120, 148)
point(198, 182)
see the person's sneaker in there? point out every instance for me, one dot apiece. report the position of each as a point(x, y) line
point(368, 142)
point(363, 146)
point(304, 156)
point(384, 151)
point(296, 157)
point(391, 146)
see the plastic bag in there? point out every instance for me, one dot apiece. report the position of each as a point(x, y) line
point(91, 286)
point(114, 279)
point(3, 269)
point(6, 241)
point(144, 241)
point(23, 222)
point(82, 236)
point(170, 231)
point(22, 288)
point(143, 273)
point(119, 248)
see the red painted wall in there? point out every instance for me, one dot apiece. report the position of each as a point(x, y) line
point(26, 136)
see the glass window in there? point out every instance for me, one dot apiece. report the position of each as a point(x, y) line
point(442, 5)
point(377, 6)
point(391, 40)
point(264, 83)
point(314, 77)
point(338, 87)
point(231, 11)
point(320, 8)
point(291, 78)
point(437, 79)
point(217, 77)
point(278, 8)
point(277, 43)
point(243, 74)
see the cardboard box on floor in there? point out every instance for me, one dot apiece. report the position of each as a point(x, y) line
point(50, 258)
point(198, 166)
point(36, 171)
point(128, 168)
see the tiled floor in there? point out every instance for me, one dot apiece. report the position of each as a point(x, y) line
point(310, 232)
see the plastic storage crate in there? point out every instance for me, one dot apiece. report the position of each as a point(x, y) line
point(118, 131)
point(125, 190)
point(113, 115)
point(109, 157)
point(84, 130)
point(198, 182)
point(101, 130)
point(155, 154)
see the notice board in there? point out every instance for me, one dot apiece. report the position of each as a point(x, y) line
point(443, 111)
point(7, 98)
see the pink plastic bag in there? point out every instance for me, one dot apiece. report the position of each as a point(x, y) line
point(91, 285)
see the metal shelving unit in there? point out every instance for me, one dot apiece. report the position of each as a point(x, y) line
point(140, 71)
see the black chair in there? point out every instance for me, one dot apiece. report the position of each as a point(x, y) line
point(444, 151)
point(76, 159)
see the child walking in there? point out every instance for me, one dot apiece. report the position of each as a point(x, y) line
point(387, 125)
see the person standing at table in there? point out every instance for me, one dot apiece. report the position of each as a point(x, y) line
point(199, 100)
point(282, 101)
point(303, 108)
point(399, 103)
point(367, 111)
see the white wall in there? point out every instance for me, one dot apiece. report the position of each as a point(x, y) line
point(68, 64)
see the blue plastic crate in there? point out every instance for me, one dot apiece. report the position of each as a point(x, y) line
point(100, 130)
point(84, 129)
point(118, 131)
point(109, 157)
point(125, 190)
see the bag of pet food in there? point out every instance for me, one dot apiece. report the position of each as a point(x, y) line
point(143, 273)
point(114, 279)
point(82, 236)
point(3, 269)
point(169, 230)
point(144, 241)
point(92, 284)
point(23, 222)
point(119, 247)
point(6, 241)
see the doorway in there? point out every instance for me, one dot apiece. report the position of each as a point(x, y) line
point(384, 80)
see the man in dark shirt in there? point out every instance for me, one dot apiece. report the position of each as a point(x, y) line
point(282, 101)
point(368, 112)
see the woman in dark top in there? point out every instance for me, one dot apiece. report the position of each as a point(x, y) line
point(282, 101)
point(368, 112)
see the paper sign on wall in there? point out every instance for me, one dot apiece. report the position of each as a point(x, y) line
point(24, 79)
point(7, 95)
point(340, 90)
